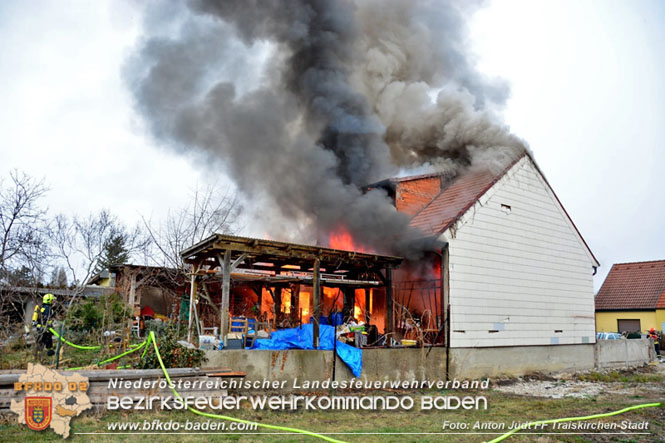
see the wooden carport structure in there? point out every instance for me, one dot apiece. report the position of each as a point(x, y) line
point(278, 263)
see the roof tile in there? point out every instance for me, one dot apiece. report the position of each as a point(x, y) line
point(638, 285)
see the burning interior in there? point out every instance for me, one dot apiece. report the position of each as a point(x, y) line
point(284, 285)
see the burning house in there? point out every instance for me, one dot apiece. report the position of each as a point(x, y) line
point(502, 265)
point(512, 273)
point(303, 106)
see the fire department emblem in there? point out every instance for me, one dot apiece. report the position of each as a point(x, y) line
point(38, 412)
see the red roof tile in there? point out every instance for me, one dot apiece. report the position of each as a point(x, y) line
point(661, 301)
point(638, 285)
point(455, 199)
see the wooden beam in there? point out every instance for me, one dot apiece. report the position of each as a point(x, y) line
point(381, 276)
point(192, 303)
point(303, 252)
point(238, 260)
point(316, 301)
point(226, 295)
point(98, 375)
point(266, 250)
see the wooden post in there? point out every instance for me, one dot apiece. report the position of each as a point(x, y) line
point(226, 295)
point(367, 313)
point(316, 301)
point(278, 304)
point(127, 333)
point(259, 294)
point(295, 304)
point(294, 307)
point(132, 291)
point(389, 305)
point(349, 295)
point(192, 303)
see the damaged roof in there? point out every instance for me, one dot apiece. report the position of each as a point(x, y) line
point(256, 250)
point(454, 200)
point(436, 201)
point(632, 286)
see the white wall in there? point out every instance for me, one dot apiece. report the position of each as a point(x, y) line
point(525, 273)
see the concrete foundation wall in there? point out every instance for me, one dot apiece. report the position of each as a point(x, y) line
point(404, 364)
point(623, 353)
point(519, 360)
point(419, 364)
point(274, 365)
point(378, 364)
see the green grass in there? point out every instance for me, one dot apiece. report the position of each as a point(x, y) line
point(70, 358)
point(17, 356)
point(624, 377)
point(502, 408)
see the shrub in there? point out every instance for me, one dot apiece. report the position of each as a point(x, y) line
point(173, 354)
point(90, 316)
point(107, 312)
point(157, 326)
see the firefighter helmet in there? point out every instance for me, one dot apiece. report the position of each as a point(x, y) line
point(48, 299)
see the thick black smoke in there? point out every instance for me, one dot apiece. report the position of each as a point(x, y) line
point(345, 97)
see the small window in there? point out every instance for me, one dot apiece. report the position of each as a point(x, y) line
point(506, 208)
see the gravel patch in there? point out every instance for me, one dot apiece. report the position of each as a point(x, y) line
point(554, 389)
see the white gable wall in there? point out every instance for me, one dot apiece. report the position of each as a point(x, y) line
point(524, 273)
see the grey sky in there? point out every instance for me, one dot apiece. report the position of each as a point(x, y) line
point(587, 94)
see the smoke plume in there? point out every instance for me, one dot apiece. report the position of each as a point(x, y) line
point(346, 93)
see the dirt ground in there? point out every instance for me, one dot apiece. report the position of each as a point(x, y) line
point(647, 381)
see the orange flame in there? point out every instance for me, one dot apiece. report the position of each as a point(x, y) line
point(342, 239)
point(286, 301)
point(357, 313)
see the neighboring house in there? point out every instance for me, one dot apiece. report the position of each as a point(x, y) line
point(632, 298)
point(516, 271)
point(157, 288)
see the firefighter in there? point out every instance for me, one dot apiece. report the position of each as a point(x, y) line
point(42, 321)
point(653, 335)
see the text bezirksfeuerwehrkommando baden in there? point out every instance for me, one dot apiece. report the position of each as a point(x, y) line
point(292, 402)
point(295, 402)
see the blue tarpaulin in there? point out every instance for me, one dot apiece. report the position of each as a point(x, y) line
point(301, 338)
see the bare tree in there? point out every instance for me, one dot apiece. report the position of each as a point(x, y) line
point(22, 225)
point(23, 248)
point(210, 211)
point(79, 243)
